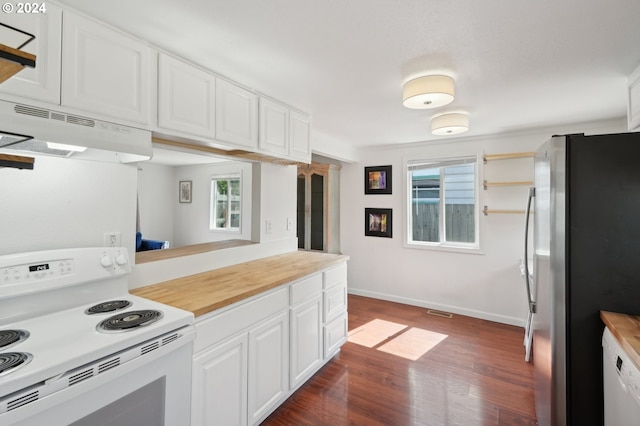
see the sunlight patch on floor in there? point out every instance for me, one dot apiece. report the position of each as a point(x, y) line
point(375, 332)
point(413, 343)
point(410, 343)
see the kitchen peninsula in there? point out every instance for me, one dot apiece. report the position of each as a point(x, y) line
point(263, 327)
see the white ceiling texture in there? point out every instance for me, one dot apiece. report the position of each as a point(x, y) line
point(518, 64)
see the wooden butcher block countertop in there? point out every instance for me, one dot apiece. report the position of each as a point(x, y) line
point(626, 329)
point(208, 291)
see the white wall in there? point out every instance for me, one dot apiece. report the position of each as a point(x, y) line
point(192, 219)
point(486, 285)
point(65, 203)
point(278, 193)
point(157, 197)
point(163, 217)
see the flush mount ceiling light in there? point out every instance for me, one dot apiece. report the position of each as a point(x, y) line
point(431, 91)
point(450, 124)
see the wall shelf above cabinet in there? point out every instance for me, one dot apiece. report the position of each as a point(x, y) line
point(487, 184)
point(13, 60)
point(486, 211)
point(508, 156)
point(16, 161)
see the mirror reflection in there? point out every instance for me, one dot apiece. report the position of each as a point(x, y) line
point(188, 198)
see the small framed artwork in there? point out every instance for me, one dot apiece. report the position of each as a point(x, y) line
point(377, 180)
point(184, 191)
point(377, 222)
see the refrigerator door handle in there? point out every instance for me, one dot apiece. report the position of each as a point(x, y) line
point(527, 278)
point(528, 328)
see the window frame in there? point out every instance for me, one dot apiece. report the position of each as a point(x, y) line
point(212, 202)
point(438, 161)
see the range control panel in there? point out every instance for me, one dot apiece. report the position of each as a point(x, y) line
point(25, 273)
point(37, 271)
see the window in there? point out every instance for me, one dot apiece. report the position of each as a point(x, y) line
point(442, 206)
point(225, 203)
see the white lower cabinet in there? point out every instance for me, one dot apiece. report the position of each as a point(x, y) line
point(250, 356)
point(335, 326)
point(306, 340)
point(268, 366)
point(220, 384)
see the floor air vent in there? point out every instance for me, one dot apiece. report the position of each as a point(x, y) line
point(442, 314)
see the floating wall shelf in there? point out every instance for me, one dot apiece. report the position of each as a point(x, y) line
point(16, 161)
point(486, 211)
point(511, 156)
point(13, 60)
point(518, 183)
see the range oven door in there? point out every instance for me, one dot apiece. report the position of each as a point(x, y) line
point(154, 389)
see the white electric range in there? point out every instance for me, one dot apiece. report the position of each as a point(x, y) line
point(77, 348)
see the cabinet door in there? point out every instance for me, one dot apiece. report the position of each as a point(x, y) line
point(306, 340)
point(236, 115)
point(268, 366)
point(335, 334)
point(335, 301)
point(219, 393)
point(186, 98)
point(42, 82)
point(104, 71)
point(299, 136)
point(274, 127)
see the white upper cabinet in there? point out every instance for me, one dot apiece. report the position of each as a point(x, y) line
point(274, 127)
point(299, 133)
point(284, 132)
point(236, 115)
point(104, 71)
point(186, 98)
point(41, 83)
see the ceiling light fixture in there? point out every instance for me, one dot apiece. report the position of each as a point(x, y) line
point(449, 124)
point(431, 91)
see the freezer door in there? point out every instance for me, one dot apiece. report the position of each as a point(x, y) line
point(549, 347)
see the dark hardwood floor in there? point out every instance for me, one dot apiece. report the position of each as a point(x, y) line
point(475, 376)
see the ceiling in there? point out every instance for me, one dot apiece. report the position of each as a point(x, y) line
point(517, 64)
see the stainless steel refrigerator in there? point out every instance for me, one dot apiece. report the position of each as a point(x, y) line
point(586, 259)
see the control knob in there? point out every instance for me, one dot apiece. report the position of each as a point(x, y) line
point(106, 261)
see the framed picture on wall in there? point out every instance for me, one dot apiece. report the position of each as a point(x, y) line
point(184, 191)
point(377, 180)
point(377, 222)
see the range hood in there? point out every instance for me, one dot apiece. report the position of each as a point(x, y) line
point(27, 129)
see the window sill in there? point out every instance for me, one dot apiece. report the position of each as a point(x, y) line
point(444, 248)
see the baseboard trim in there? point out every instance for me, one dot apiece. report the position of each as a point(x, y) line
point(519, 322)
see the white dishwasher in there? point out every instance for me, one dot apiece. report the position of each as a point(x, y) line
point(621, 384)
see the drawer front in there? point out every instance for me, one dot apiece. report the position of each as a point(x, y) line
point(335, 302)
point(306, 289)
point(335, 335)
point(239, 317)
point(335, 276)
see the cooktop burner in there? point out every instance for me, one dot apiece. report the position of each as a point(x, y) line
point(12, 360)
point(11, 337)
point(110, 306)
point(129, 320)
